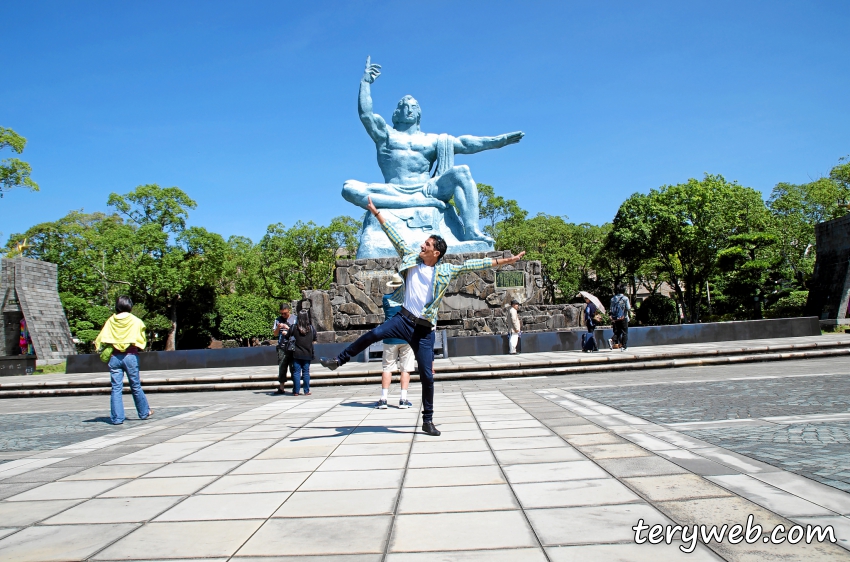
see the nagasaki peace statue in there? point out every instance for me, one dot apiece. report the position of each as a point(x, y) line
point(416, 192)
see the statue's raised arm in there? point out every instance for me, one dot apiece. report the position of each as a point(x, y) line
point(468, 144)
point(374, 123)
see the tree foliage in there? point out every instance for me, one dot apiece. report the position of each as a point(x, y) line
point(14, 172)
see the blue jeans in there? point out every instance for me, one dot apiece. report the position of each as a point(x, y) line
point(119, 364)
point(301, 368)
point(421, 340)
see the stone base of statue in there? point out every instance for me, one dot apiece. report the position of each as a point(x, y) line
point(415, 224)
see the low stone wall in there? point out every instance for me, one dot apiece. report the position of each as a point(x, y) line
point(475, 303)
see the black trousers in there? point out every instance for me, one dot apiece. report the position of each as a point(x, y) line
point(621, 332)
point(284, 362)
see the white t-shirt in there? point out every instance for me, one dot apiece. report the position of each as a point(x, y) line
point(419, 288)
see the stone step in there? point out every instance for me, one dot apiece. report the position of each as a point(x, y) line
point(572, 363)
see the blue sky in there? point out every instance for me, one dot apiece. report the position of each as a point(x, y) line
point(250, 107)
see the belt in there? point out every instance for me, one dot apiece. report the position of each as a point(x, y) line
point(415, 319)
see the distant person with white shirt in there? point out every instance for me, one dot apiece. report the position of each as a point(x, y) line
point(514, 326)
point(426, 281)
point(396, 352)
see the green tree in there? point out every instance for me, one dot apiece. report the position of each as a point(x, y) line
point(493, 208)
point(172, 262)
point(245, 317)
point(303, 256)
point(682, 228)
point(14, 172)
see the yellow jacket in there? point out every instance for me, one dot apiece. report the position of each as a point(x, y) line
point(121, 331)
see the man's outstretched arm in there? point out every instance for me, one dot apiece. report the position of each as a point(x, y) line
point(396, 239)
point(468, 144)
point(486, 263)
point(374, 123)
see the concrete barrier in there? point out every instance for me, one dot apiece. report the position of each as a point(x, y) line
point(567, 340)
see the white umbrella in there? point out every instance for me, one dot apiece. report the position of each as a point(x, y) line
point(593, 299)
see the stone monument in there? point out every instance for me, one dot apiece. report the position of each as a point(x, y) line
point(420, 179)
point(829, 289)
point(28, 292)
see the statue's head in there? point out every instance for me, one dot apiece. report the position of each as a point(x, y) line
point(407, 111)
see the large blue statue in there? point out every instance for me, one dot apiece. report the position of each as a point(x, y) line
point(415, 196)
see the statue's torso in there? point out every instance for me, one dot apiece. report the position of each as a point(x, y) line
point(406, 159)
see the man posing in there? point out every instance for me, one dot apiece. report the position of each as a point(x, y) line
point(395, 351)
point(426, 282)
point(281, 330)
point(619, 311)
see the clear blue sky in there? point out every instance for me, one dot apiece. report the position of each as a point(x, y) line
point(250, 107)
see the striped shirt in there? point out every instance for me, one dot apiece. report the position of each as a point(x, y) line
point(444, 275)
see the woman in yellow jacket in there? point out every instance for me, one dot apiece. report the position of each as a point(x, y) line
point(125, 333)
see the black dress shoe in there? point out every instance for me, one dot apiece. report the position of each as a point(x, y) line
point(429, 428)
point(331, 363)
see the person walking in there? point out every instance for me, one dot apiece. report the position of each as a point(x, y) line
point(124, 333)
point(396, 351)
point(514, 326)
point(282, 329)
point(619, 311)
point(426, 279)
point(303, 336)
point(588, 342)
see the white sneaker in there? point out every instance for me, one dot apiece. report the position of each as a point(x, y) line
point(610, 343)
point(382, 404)
point(404, 404)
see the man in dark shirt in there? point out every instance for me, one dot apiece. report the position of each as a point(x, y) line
point(281, 330)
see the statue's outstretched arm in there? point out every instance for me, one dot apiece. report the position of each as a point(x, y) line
point(374, 123)
point(468, 144)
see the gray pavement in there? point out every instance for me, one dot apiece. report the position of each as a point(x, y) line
point(551, 468)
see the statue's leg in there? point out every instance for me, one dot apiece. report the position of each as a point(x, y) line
point(458, 183)
point(386, 196)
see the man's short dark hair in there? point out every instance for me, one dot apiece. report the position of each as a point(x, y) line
point(124, 304)
point(621, 288)
point(439, 245)
point(284, 306)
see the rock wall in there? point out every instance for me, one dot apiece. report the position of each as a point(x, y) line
point(475, 302)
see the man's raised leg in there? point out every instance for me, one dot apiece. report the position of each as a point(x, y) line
point(458, 183)
point(395, 327)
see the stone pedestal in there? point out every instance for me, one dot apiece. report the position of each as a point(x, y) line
point(415, 224)
point(475, 303)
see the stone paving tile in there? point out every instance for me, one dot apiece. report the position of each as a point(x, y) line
point(67, 490)
point(675, 487)
point(339, 503)
point(256, 483)
point(354, 480)
point(440, 460)
point(534, 456)
point(225, 506)
point(461, 531)
point(765, 495)
point(457, 498)
point(175, 486)
point(603, 491)
point(320, 535)
point(21, 514)
point(190, 539)
point(501, 555)
point(594, 524)
point(55, 543)
point(113, 472)
point(453, 476)
point(114, 510)
point(629, 553)
point(553, 472)
point(212, 468)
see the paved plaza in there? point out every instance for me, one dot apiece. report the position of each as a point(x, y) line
point(551, 468)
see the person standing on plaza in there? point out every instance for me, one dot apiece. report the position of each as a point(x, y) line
point(303, 336)
point(282, 329)
point(124, 333)
point(426, 279)
point(588, 342)
point(619, 312)
point(396, 351)
point(514, 326)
